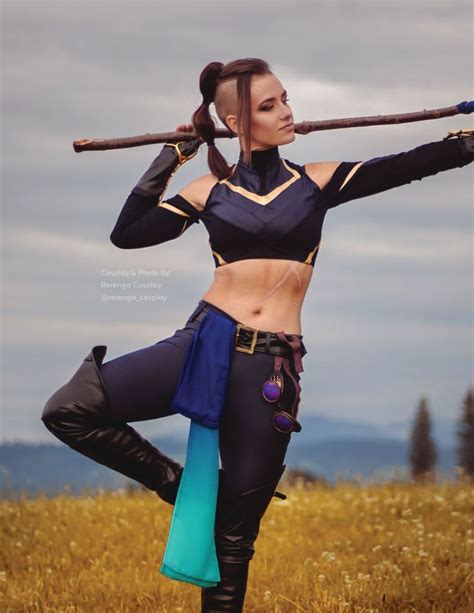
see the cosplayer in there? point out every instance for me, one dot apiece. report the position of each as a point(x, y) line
point(234, 367)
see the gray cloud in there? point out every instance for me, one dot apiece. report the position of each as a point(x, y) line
point(389, 312)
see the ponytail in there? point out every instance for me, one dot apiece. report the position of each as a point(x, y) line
point(210, 78)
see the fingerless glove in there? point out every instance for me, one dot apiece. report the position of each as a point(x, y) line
point(146, 219)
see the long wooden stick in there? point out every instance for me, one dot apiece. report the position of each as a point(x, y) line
point(303, 127)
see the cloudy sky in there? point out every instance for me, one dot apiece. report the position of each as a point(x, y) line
point(388, 316)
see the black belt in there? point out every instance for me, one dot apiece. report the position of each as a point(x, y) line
point(249, 340)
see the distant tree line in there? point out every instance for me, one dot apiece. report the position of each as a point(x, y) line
point(422, 451)
point(422, 454)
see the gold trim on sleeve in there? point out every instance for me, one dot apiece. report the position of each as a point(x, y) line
point(182, 159)
point(170, 207)
point(350, 174)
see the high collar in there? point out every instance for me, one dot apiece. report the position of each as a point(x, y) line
point(261, 160)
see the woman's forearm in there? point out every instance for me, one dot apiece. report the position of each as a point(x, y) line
point(145, 219)
point(142, 223)
point(353, 180)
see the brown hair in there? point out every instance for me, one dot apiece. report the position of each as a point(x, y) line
point(228, 86)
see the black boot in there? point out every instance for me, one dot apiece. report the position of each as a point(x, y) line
point(77, 414)
point(236, 529)
point(170, 490)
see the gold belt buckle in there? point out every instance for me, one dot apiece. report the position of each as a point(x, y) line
point(253, 342)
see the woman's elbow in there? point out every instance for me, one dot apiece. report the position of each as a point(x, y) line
point(119, 240)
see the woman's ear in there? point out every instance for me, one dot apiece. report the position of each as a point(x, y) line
point(231, 121)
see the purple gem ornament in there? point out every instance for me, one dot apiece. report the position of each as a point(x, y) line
point(283, 422)
point(272, 388)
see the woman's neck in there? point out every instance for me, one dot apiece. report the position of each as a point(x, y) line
point(261, 159)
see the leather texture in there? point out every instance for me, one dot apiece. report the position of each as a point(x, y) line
point(468, 145)
point(144, 219)
point(155, 180)
point(236, 530)
point(77, 415)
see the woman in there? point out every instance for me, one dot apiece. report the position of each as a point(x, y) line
point(264, 216)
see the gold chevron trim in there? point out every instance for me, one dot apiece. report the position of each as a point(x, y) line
point(311, 253)
point(167, 205)
point(220, 259)
point(263, 200)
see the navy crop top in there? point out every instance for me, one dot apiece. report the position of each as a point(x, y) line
point(272, 208)
point(269, 210)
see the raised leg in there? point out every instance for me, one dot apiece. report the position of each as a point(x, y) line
point(89, 413)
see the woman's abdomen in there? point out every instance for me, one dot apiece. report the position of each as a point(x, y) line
point(263, 294)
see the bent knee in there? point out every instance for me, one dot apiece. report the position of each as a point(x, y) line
point(66, 402)
point(51, 409)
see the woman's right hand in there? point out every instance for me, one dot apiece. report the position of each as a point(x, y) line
point(185, 127)
point(188, 127)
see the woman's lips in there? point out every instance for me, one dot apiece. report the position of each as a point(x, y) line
point(287, 127)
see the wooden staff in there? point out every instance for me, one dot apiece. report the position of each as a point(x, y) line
point(303, 127)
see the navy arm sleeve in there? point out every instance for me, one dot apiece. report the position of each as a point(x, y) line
point(353, 180)
point(143, 223)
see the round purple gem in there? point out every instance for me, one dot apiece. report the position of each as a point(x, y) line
point(271, 391)
point(282, 422)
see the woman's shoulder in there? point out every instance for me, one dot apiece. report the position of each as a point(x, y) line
point(197, 191)
point(320, 172)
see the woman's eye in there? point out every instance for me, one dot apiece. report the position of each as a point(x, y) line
point(269, 108)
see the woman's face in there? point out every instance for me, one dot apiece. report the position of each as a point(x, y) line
point(270, 111)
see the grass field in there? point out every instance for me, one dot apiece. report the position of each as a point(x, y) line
point(366, 548)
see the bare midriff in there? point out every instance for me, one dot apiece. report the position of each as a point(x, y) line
point(265, 294)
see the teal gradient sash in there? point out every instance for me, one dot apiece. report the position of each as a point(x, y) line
point(190, 553)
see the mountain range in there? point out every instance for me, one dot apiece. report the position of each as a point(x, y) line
point(327, 447)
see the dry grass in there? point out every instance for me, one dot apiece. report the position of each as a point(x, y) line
point(391, 547)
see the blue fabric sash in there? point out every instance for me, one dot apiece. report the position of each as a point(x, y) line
point(190, 553)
